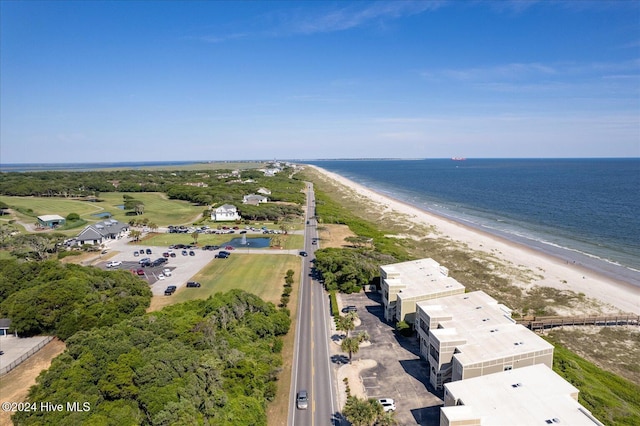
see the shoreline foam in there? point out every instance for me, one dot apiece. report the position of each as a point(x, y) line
point(557, 270)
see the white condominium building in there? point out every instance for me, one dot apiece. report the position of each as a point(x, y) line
point(533, 395)
point(404, 284)
point(470, 335)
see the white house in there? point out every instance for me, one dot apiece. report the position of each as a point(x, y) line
point(225, 212)
point(264, 191)
point(254, 199)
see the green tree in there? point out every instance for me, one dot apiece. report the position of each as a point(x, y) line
point(72, 216)
point(347, 323)
point(135, 234)
point(361, 412)
point(351, 345)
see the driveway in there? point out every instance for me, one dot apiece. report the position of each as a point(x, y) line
point(399, 372)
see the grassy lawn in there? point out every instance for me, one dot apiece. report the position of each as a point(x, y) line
point(50, 205)
point(262, 275)
point(158, 208)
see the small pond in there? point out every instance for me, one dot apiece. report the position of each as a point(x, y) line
point(248, 242)
point(102, 215)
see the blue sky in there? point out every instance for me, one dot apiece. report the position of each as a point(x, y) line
point(160, 81)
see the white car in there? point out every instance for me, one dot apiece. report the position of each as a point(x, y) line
point(388, 404)
point(161, 277)
point(114, 263)
point(166, 272)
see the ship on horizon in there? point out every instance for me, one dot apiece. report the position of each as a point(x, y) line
point(458, 158)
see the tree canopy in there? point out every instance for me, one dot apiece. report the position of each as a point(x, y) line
point(348, 270)
point(54, 298)
point(211, 361)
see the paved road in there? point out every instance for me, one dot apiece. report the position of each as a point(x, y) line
point(312, 369)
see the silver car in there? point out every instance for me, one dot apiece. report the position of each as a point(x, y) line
point(302, 400)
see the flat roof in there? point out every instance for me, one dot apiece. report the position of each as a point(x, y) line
point(484, 324)
point(527, 395)
point(421, 277)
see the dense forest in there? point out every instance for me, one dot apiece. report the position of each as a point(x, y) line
point(204, 187)
point(211, 361)
point(54, 298)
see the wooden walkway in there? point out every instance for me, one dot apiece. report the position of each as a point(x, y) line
point(542, 323)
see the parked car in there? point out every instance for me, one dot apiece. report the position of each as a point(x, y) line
point(172, 254)
point(114, 263)
point(170, 290)
point(185, 253)
point(166, 272)
point(140, 272)
point(302, 400)
point(388, 404)
point(146, 259)
point(141, 251)
point(192, 253)
point(223, 255)
point(193, 284)
point(228, 248)
point(161, 277)
point(136, 254)
point(304, 254)
point(146, 264)
point(148, 251)
point(165, 254)
point(348, 309)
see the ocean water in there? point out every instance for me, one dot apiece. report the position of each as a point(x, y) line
point(582, 210)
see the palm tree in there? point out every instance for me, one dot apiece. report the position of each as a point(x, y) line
point(346, 323)
point(352, 344)
point(361, 412)
point(387, 419)
point(135, 234)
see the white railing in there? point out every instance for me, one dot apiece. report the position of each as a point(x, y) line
point(4, 370)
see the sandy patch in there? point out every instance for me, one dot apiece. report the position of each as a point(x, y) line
point(14, 386)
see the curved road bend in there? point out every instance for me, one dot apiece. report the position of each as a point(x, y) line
point(311, 364)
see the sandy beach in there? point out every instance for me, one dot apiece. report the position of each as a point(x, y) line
point(551, 271)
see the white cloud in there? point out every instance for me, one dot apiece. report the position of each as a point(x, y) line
point(345, 18)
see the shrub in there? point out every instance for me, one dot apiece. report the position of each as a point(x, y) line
point(404, 328)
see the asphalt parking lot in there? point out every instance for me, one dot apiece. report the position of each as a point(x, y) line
point(183, 268)
point(400, 374)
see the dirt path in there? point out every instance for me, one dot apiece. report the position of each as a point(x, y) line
point(14, 386)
